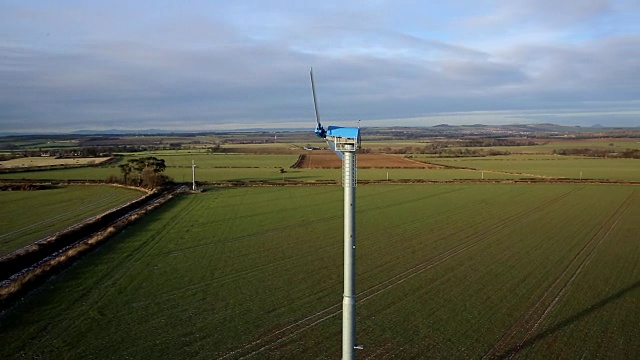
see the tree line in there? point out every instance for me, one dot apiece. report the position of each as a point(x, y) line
point(440, 151)
point(604, 153)
point(86, 152)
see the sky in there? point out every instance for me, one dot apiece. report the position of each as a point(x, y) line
point(221, 65)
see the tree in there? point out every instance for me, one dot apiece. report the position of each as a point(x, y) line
point(215, 148)
point(126, 170)
point(147, 170)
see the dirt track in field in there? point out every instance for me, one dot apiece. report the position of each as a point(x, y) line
point(272, 340)
point(329, 160)
point(521, 334)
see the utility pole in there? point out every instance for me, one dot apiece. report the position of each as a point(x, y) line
point(193, 174)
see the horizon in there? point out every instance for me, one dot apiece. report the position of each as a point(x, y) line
point(154, 132)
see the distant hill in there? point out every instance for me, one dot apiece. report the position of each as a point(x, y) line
point(122, 132)
point(547, 128)
point(525, 128)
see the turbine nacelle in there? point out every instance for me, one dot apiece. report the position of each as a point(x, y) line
point(343, 138)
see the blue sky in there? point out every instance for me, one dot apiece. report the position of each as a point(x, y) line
point(210, 65)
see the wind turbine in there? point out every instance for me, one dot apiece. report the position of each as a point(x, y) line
point(345, 141)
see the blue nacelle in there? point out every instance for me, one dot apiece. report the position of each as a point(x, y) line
point(339, 132)
point(343, 138)
point(340, 138)
point(344, 132)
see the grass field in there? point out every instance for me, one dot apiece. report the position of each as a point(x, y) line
point(254, 167)
point(82, 173)
point(183, 174)
point(526, 162)
point(443, 271)
point(546, 146)
point(209, 161)
point(559, 166)
point(35, 143)
point(209, 167)
point(48, 161)
point(35, 214)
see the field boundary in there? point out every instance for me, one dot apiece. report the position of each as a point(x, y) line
point(288, 182)
point(329, 160)
point(298, 161)
point(416, 181)
point(489, 171)
point(18, 169)
point(28, 267)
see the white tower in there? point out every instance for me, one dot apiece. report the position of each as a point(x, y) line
point(193, 174)
point(345, 141)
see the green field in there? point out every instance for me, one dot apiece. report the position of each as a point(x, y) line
point(209, 167)
point(36, 214)
point(551, 166)
point(38, 143)
point(525, 162)
point(183, 174)
point(443, 271)
point(210, 161)
point(246, 167)
point(83, 173)
point(546, 146)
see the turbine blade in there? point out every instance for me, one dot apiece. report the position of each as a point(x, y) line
point(315, 102)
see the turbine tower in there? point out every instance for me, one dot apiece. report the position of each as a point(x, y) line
point(345, 141)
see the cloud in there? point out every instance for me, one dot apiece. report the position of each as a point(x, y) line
point(544, 13)
point(134, 66)
point(597, 70)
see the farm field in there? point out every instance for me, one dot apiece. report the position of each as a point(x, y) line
point(452, 271)
point(618, 144)
point(82, 173)
point(546, 146)
point(36, 143)
point(559, 166)
point(32, 215)
point(48, 161)
point(311, 175)
point(321, 165)
point(233, 167)
point(329, 160)
point(263, 161)
point(497, 167)
point(549, 146)
point(227, 160)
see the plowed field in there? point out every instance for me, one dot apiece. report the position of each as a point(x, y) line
point(329, 160)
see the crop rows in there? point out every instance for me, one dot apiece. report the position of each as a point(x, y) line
point(445, 271)
point(37, 214)
point(560, 167)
